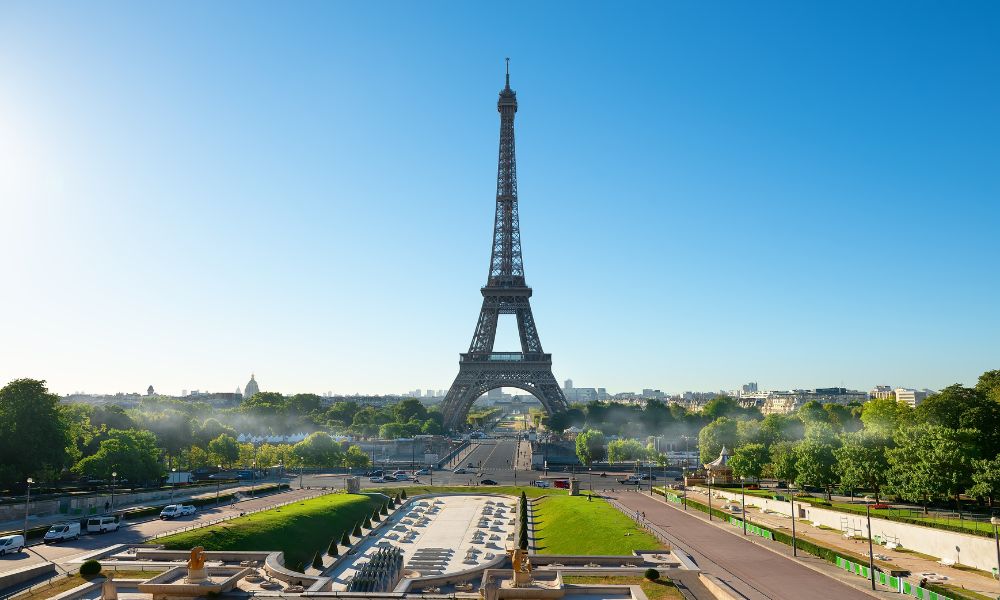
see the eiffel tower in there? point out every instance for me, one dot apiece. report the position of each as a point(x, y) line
point(506, 293)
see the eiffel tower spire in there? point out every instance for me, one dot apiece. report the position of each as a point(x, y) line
point(506, 292)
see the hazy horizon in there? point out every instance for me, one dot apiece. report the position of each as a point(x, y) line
point(799, 195)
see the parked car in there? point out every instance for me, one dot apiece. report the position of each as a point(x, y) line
point(401, 476)
point(540, 483)
point(460, 471)
point(471, 466)
point(11, 544)
point(561, 483)
point(879, 506)
point(376, 479)
point(389, 478)
point(734, 509)
point(61, 532)
point(423, 472)
point(172, 511)
point(375, 473)
point(488, 482)
point(647, 477)
point(102, 524)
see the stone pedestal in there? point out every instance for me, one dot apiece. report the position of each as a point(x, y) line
point(353, 485)
point(108, 590)
point(574, 487)
point(196, 576)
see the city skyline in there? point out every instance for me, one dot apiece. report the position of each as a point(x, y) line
point(309, 191)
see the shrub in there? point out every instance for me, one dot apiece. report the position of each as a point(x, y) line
point(357, 530)
point(375, 517)
point(651, 574)
point(385, 508)
point(345, 540)
point(403, 495)
point(317, 562)
point(90, 568)
point(332, 549)
point(368, 522)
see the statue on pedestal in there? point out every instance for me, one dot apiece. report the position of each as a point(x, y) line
point(196, 566)
point(521, 566)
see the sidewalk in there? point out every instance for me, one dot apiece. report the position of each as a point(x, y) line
point(914, 563)
point(16, 526)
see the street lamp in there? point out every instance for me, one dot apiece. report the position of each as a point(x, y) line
point(114, 474)
point(27, 501)
point(791, 498)
point(685, 480)
point(995, 521)
point(173, 487)
point(743, 506)
point(218, 486)
point(871, 552)
point(708, 479)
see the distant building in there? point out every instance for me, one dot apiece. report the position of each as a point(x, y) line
point(568, 384)
point(784, 402)
point(149, 391)
point(750, 388)
point(251, 388)
point(881, 392)
point(911, 397)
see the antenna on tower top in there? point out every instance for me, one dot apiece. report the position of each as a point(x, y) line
point(508, 71)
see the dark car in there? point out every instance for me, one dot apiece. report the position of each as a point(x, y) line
point(389, 478)
point(488, 482)
point(377, 473)
point(647, 477)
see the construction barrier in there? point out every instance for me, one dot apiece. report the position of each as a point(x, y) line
point(895, 583)
point(751, 528)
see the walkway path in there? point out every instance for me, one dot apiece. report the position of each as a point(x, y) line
point(834, 539)
point(756, 571)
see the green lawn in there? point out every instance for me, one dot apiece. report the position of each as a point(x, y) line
point(663, 589)
point(298, 530)
point(572, 525)
point(509, 490)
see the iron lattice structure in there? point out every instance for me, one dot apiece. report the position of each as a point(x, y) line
point(506, 293)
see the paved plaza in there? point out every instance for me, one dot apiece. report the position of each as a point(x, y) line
point(440, 535)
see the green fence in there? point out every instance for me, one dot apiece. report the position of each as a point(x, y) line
point(751, 528)
point(896, 583)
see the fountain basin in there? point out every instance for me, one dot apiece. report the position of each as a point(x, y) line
point(172, 584)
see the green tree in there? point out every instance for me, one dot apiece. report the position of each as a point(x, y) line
point(319, 450)
point(409, 409)
point(265, 404)
point(885, 415)
point(958, 407)
point(812, 412)
point(931, 462)
point(391, 431)
point(356, 458)
point(34, 435)
point(815, 465)
point(862, 462)
point(783, 459)
point(712, 437)
point(225, 449)
point(989, 385)
point(132, 453)
point(986, 478)
point(625, 451)
point(590, 446)
point(749, 460)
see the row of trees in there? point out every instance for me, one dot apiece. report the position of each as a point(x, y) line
point(50, 441)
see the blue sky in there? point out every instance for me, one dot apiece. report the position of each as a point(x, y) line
point(711, 193)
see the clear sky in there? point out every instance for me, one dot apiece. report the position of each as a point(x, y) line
point(799, 193)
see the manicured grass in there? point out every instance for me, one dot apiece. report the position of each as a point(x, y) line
point(63, 584)
point(508, 490)
point(663, 589)
point(298, 530)
point(918, 554)
point(572, 525)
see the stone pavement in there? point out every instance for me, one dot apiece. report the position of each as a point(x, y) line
point(835, 539)
point(757, 571)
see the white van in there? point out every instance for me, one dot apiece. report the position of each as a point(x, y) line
point(101, 524)
point(11, 544)
point(172, 511)
point(62, 531)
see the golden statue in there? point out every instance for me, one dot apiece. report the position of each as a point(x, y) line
point(197, 560)
point(521, 567)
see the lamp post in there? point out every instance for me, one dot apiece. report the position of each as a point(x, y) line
point(995, 521)
point(173, 486)
point(218, 486)
point(708, 479)
point(253, 475)
point(27, 502)
point(684, 477)
point(114, 474)
point(871, 552)
point(743, 506)
point(791, 498)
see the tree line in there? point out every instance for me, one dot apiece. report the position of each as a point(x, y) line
point(945, 448)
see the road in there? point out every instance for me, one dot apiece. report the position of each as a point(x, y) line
point(63, 553)
point(755, 571)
